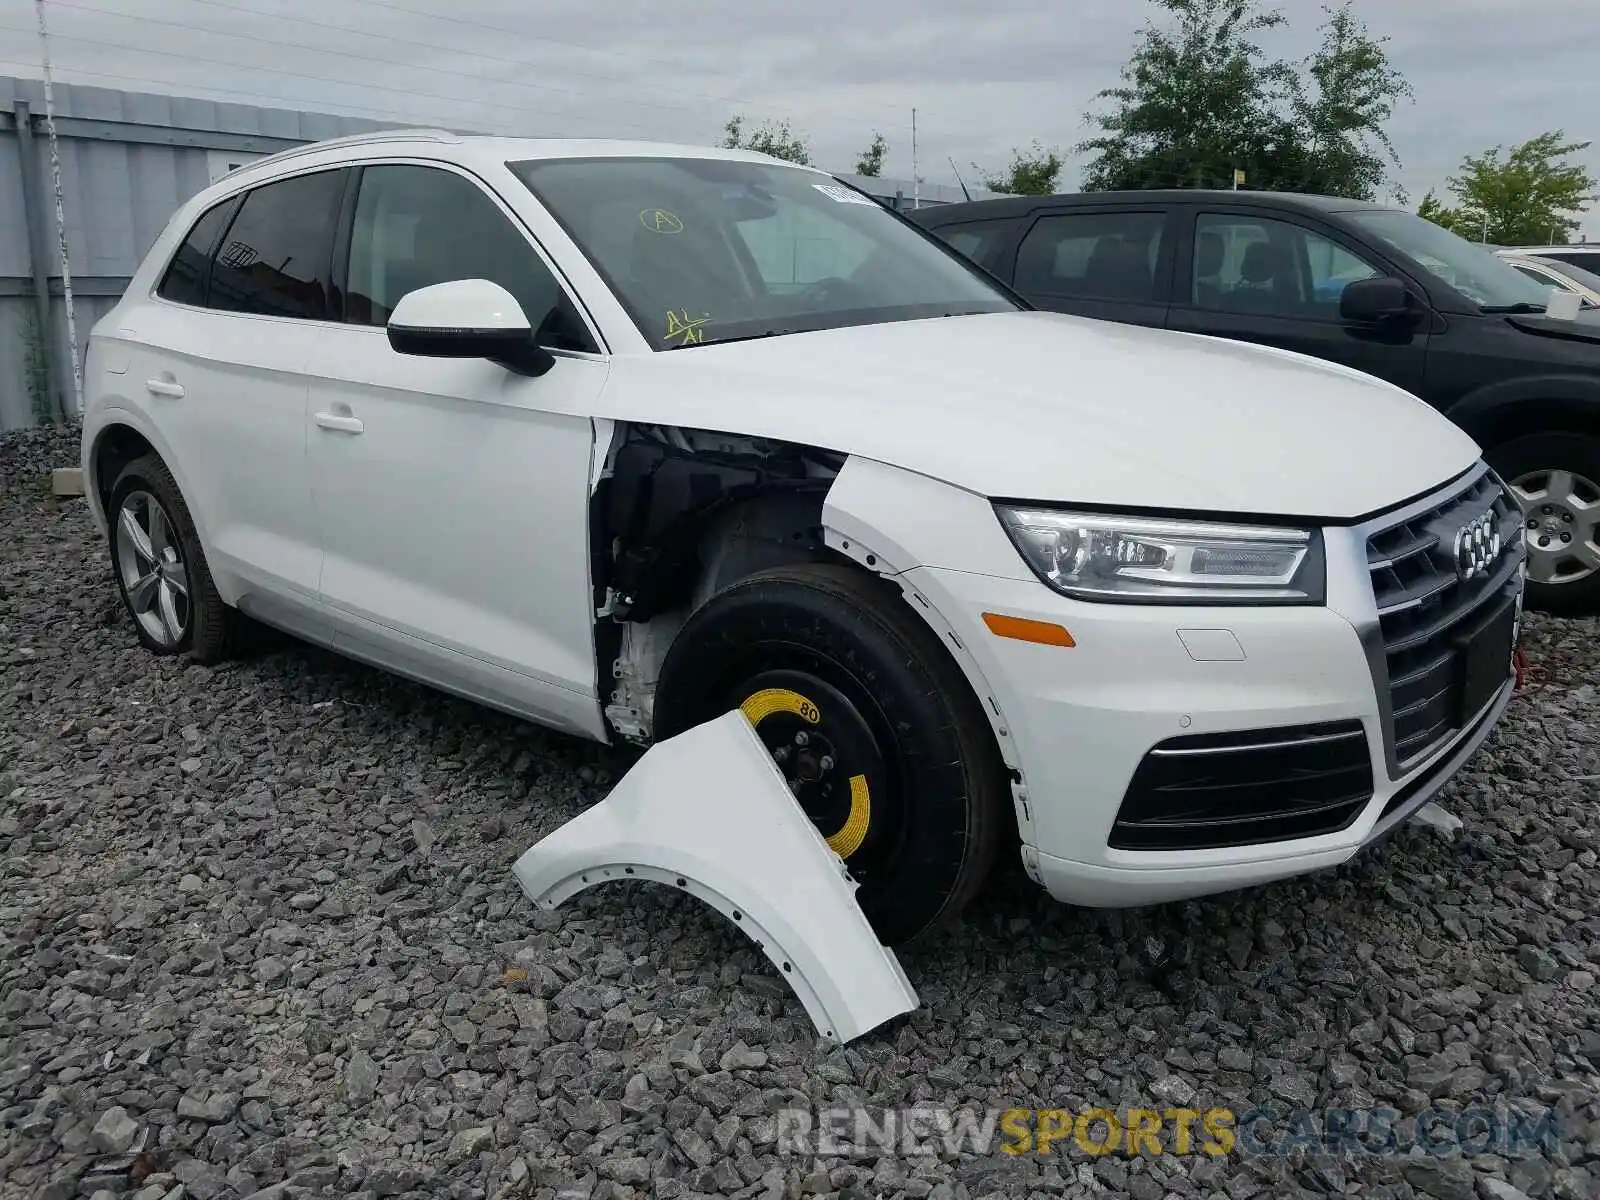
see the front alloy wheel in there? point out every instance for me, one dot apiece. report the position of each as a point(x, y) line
point(155, 579)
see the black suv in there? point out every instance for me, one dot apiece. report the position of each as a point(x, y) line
point(1375, 288)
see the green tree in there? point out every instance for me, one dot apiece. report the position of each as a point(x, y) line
point(1200, 99)
point(1529, 196)
point(1033, 172)
point(1196, 101)
point(1433, 209)
point(776, 139)
point(1335, 143)
point(870, 163)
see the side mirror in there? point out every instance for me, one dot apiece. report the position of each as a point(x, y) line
point(467, 318)
point(1376, 302)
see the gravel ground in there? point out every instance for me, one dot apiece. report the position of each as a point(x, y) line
point(258, 936)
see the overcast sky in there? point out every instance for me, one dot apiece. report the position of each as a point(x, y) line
point(984, 77)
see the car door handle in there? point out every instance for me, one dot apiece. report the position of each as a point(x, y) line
point(340, 423)
point(164, 387)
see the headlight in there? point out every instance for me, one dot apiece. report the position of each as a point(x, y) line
point(1152, 561)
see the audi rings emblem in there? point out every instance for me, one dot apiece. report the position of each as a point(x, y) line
point(1477, 546)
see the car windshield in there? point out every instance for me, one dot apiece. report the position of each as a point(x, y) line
point(715, 250)
point(1475, 271)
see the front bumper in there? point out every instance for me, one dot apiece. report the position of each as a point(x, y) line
point(1177, 752)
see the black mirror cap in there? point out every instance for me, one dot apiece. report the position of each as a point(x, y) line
point(1376, 301)
point(459, 343)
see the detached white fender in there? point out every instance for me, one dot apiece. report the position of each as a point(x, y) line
point(708, 812)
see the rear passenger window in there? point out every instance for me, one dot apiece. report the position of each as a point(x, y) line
point(1092, 256)
point(274, 258)
point(417, 226)
point(185, 280)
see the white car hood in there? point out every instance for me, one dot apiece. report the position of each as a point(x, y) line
point(1045, 407)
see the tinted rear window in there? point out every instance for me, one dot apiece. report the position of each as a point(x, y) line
point(185, 280)
point(274, 258)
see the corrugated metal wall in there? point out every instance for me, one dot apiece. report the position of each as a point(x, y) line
point(128, 159)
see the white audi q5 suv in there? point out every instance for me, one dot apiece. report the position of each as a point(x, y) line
point(620, 437)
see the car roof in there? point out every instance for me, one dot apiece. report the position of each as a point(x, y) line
point(1577, 247)
point(1015, 205)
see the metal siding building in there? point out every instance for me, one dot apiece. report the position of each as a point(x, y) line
point(128, 159)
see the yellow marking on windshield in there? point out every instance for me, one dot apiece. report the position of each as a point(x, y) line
point(659, 220)
point(687, 329)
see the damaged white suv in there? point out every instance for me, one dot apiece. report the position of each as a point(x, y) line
point(620, 437)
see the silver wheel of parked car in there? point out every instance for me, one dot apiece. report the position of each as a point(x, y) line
point(154, 575)
point(1552, 475)
point(1561, 517)
point(160, 568)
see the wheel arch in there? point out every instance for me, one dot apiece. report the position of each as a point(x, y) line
point(122, 436)
point(758, 504)
point(119, 437)
point(1500, 412)
point(891, 522)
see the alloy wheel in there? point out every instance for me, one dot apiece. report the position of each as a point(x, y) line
point(155, 578)
point(1561, 524)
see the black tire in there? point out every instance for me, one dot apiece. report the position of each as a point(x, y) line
point(1535, 454)
point(207, 623)
point(914, 800)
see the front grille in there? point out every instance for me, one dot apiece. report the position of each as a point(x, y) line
point(1423, 780)
point(1203, 791)
point(1425, 610)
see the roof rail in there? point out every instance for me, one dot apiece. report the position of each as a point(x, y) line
point(353, 139)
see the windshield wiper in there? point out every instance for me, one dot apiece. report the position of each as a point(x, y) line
point(1521, 306)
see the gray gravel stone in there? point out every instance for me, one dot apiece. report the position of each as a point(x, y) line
point(1538, 963)
point(470, 1141)
point(1444, 1178)
point(360, 1078)
point(114, 1131)
point(1490, 1188)
point(265, 911)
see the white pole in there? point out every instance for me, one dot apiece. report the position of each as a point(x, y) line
point(916, 180)
point(61, 212)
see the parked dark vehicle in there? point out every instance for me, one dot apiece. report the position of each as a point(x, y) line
point(1375, 288)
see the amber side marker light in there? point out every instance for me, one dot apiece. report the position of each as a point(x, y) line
point(1045, 633)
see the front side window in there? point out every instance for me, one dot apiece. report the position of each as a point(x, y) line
point(185, 278)
point(1092, 256)
point(708, 250)
point(418, 226)
point(1260, 265)
point(274, 258)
